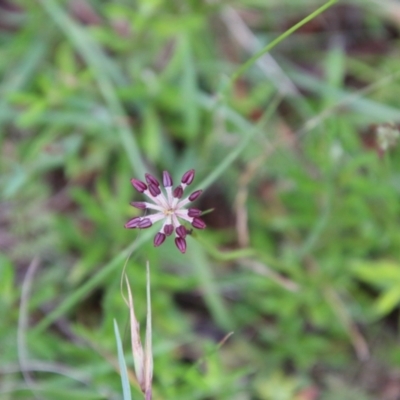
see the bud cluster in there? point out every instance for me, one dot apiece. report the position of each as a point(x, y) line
point(169, 207)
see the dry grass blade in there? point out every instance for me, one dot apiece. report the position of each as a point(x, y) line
point(23, 326)
point(137, 349)
point(143, 358)
point(243, 35)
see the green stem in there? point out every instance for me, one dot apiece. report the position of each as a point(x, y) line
point(279, 39)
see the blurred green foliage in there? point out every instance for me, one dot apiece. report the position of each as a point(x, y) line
point(300, 258)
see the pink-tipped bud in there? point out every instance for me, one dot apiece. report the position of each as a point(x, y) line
point(139, 185)
point(181, 231)
point(194, 212)
point(133, 223)
point(167, 179)
point(180, 244)
point(139, 204)
point(195, 195)
point(198, 223)
point(159, 239)
point(178, 192)
point(168, 229)
point(150, 179)
point(188, 177)
point(154, 190)
point(145, 223)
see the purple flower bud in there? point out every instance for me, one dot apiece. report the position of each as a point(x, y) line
point(139, 204)
point(154, 190)
point(159, 239)
point(150, 179)
point(168, 229)
point(133, 223)
point(195, 195)
point(181, 231)
point(178, 192)
point(194, 212)
point(168, 207)
point(180, 244)
point(167, 179)
point(188, 177)
point(198, 223)
point(139, 185)
point(145, 223)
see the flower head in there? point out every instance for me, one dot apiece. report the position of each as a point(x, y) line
point(169, 206)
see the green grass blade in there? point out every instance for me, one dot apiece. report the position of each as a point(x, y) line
point(95, 58)
point(208, 284)
point(91, 284)
point(126, 389)
point(247, 137)
point(279, 39)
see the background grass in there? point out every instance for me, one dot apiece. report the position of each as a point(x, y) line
point(300, 258)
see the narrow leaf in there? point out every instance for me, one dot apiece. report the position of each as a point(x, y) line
point(126, 389)
point(137, 349)
point(148, 362)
